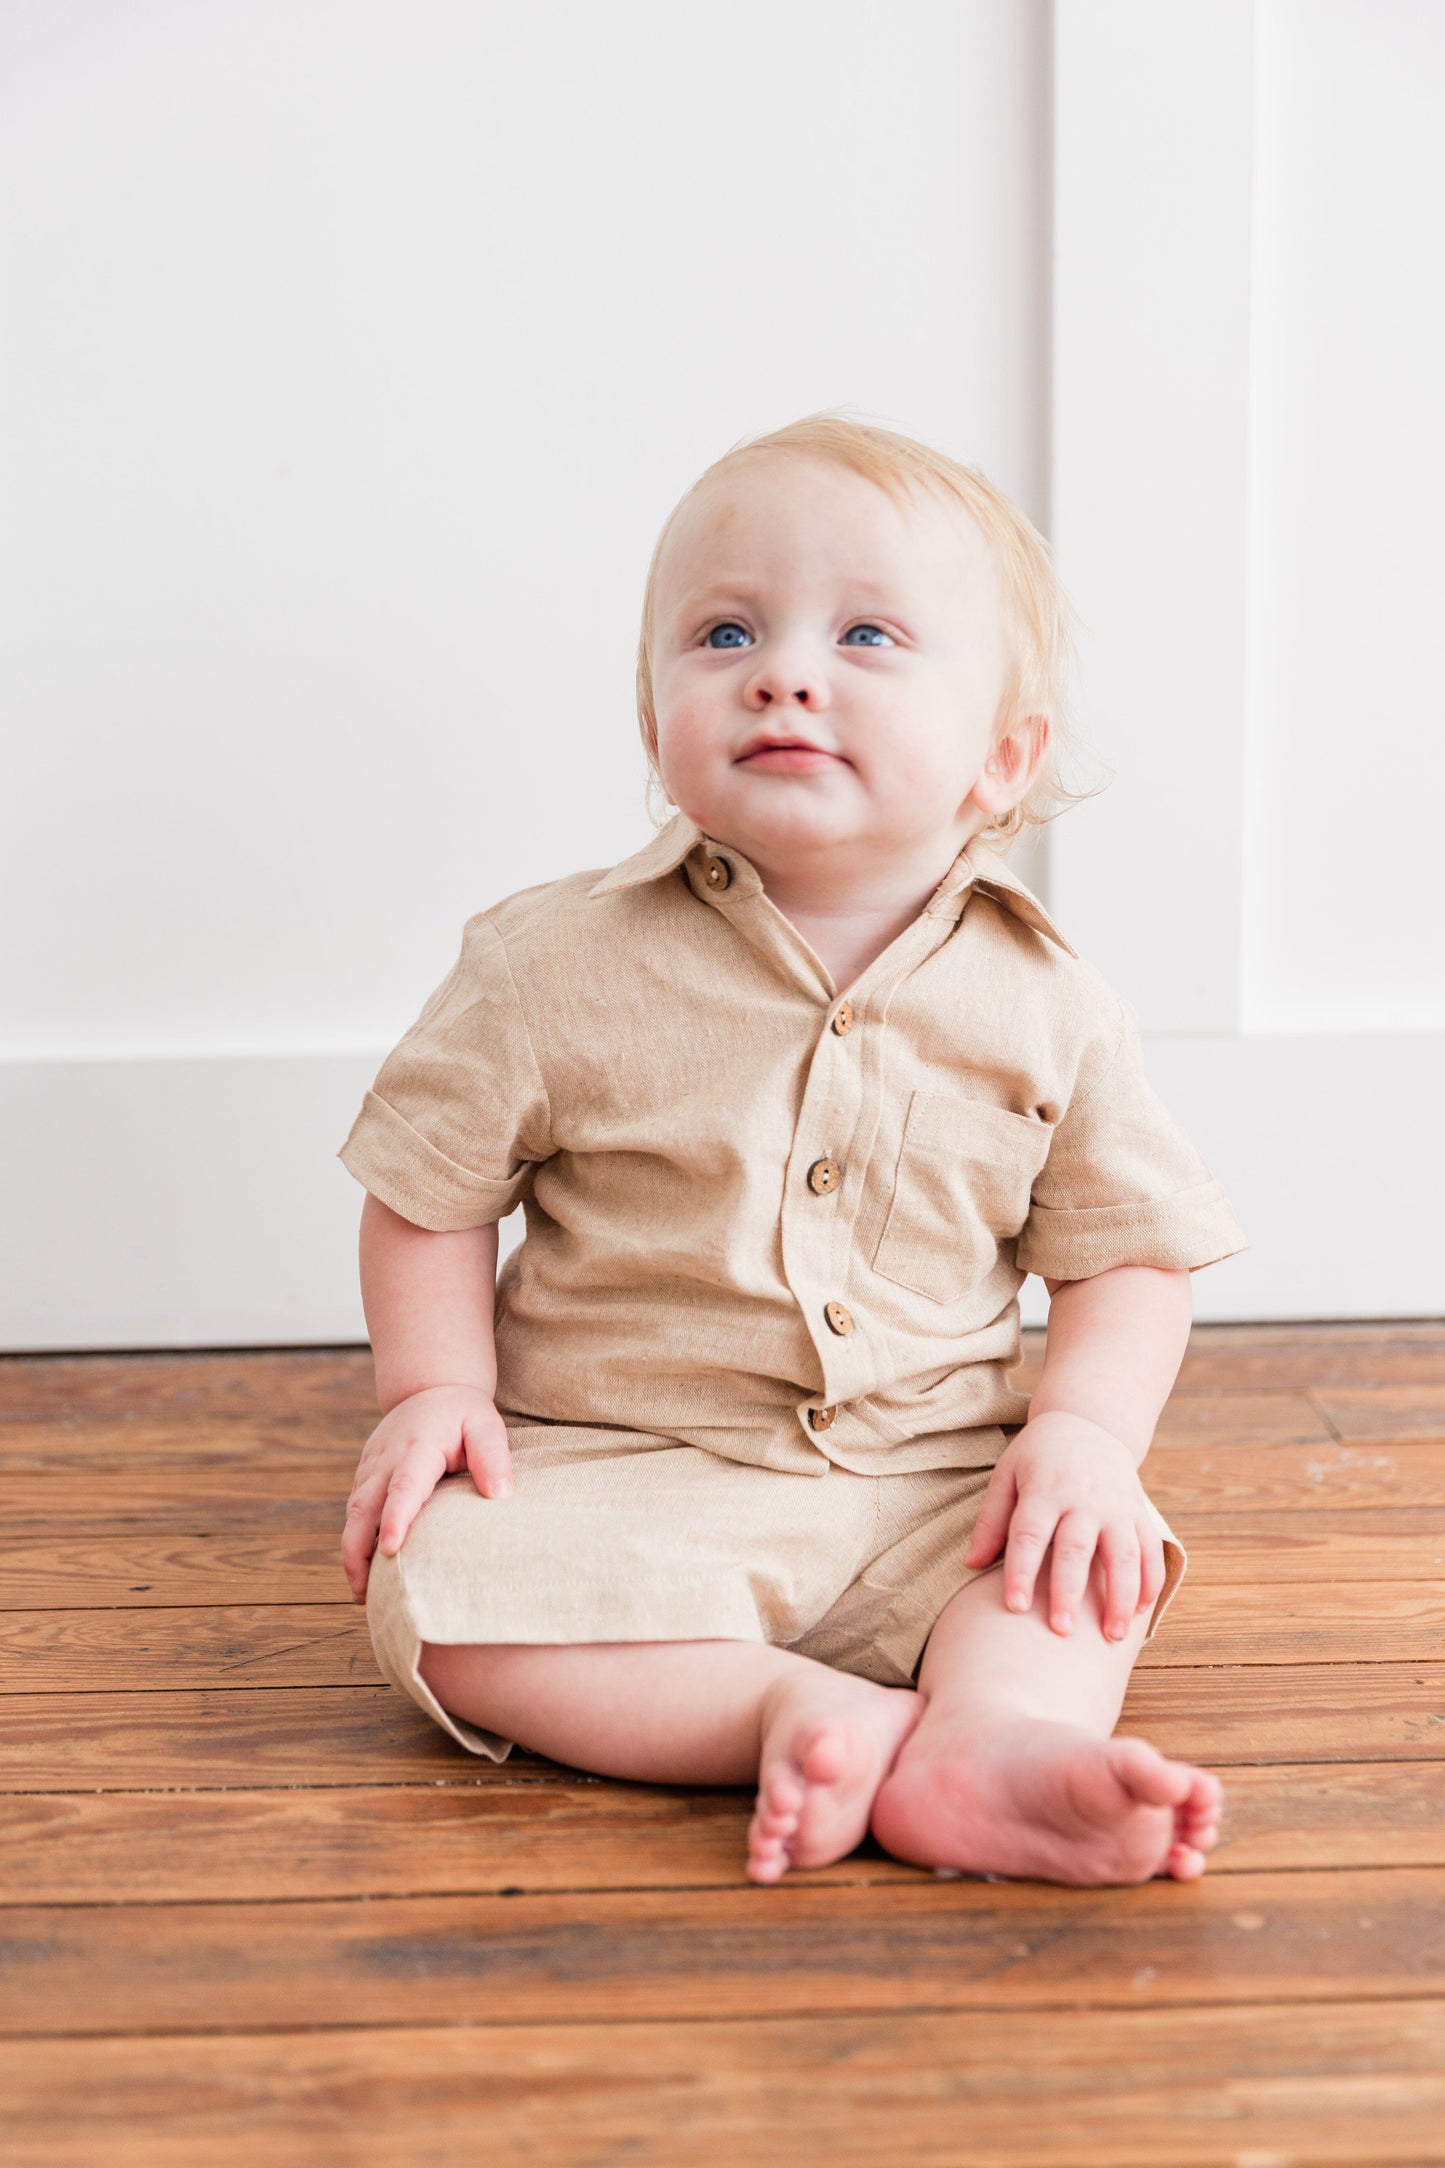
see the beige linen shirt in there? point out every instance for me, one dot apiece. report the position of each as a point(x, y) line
point(783, 1226)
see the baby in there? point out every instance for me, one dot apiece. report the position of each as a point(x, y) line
point(723, 1479)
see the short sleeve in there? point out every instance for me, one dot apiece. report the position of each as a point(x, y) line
point(1123, 1184)
point(452, 1129)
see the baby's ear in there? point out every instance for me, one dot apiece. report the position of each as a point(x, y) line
point(1015, 760)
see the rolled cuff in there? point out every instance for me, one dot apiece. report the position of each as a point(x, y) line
point(1194, 1227)
point(396, 1163)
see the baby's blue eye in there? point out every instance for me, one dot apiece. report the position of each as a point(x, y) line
point(731, 626)
point(878, 629)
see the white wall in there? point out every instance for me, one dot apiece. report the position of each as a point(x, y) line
point(1345, 911)
point(355, 353)
point(1249, 336)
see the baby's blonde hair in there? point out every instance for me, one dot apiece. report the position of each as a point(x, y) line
point(1039, 619)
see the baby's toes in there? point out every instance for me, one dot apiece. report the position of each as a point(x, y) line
point(1197, 1817)
point(1148, 1777)
point(781, 1792)
point(774, 1822)
point(1185, 1862)
point(767, 1858)
point(771, 1832)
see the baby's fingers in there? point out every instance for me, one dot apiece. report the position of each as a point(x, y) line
point(1151, 1566)
point(1028, 1538)
point(358, 1537)
point(489, 1455)
point(1075, 1541)
point(410, 1487)
point(994, 1515)
point(1119, 1553)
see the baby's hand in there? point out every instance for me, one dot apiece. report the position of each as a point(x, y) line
point(1068, 1481)
point(434, 1433)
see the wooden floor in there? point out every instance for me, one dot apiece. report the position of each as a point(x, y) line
point(258, 1910)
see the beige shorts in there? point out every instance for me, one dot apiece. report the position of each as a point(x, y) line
point(613, 1536)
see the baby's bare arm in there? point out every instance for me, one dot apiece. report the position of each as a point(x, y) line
point(1070, 1478)
point(428, 1300)
point(1114, 1348)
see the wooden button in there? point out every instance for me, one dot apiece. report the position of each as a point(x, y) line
point(717, 873)
point(824, 1176)
point(821, 1418)
point(838, 1319)
point(843, 1019)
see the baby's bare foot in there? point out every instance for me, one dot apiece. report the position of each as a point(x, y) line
point(828, 1742)
point(1043, 1800)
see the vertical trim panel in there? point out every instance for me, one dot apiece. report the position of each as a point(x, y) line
point(1153, 162)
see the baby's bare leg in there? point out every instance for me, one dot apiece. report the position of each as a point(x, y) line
point(1012, 1770)
point(818, 1741)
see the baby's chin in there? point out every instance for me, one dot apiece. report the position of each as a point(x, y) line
point(793, 817)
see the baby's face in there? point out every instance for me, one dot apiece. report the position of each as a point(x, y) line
point(827, 664)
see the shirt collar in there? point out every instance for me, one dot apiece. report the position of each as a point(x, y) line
point(977, 865)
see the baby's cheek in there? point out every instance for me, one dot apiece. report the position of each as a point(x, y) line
point(692, 754)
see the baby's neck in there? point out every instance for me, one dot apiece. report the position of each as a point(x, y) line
point(848, 918)
point(846, 946)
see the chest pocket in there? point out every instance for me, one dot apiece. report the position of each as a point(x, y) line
point(961, 1188)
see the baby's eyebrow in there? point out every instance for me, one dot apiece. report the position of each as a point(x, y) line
point(865, 591)
point(701, 598)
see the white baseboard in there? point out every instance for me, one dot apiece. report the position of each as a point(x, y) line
point(180, 1203)
point(1332, 1151)
point(199, 1202)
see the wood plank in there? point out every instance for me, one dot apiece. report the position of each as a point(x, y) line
point(245, 1736)
point(1406, 1477)
point(1248, 1419)
point(245, 1501)
point(1364, 1814)
point(1299, 1357)
point(131, 1847)
point(216, 1386)
point(252, 1551)
point(249, 1736)
point(1347, 1351)
point(1301, 2086)
point(139, 1572)
point(339, 1842)
point(1349, 1622)
point(1319, 1713)
point(317, 1382)
point(744, 1952)
point(1292, 1358)
point(1363, 1545)
point(282, 1644)
point(1235, 1477)
point(327, 1644)
point(107, 1449)
point(196, 1568)
point(1393, 1411)
point(1305, 1479)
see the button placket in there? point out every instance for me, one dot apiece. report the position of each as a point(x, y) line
point(836, 1111)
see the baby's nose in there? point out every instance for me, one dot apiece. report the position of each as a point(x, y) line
point(772, 687)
